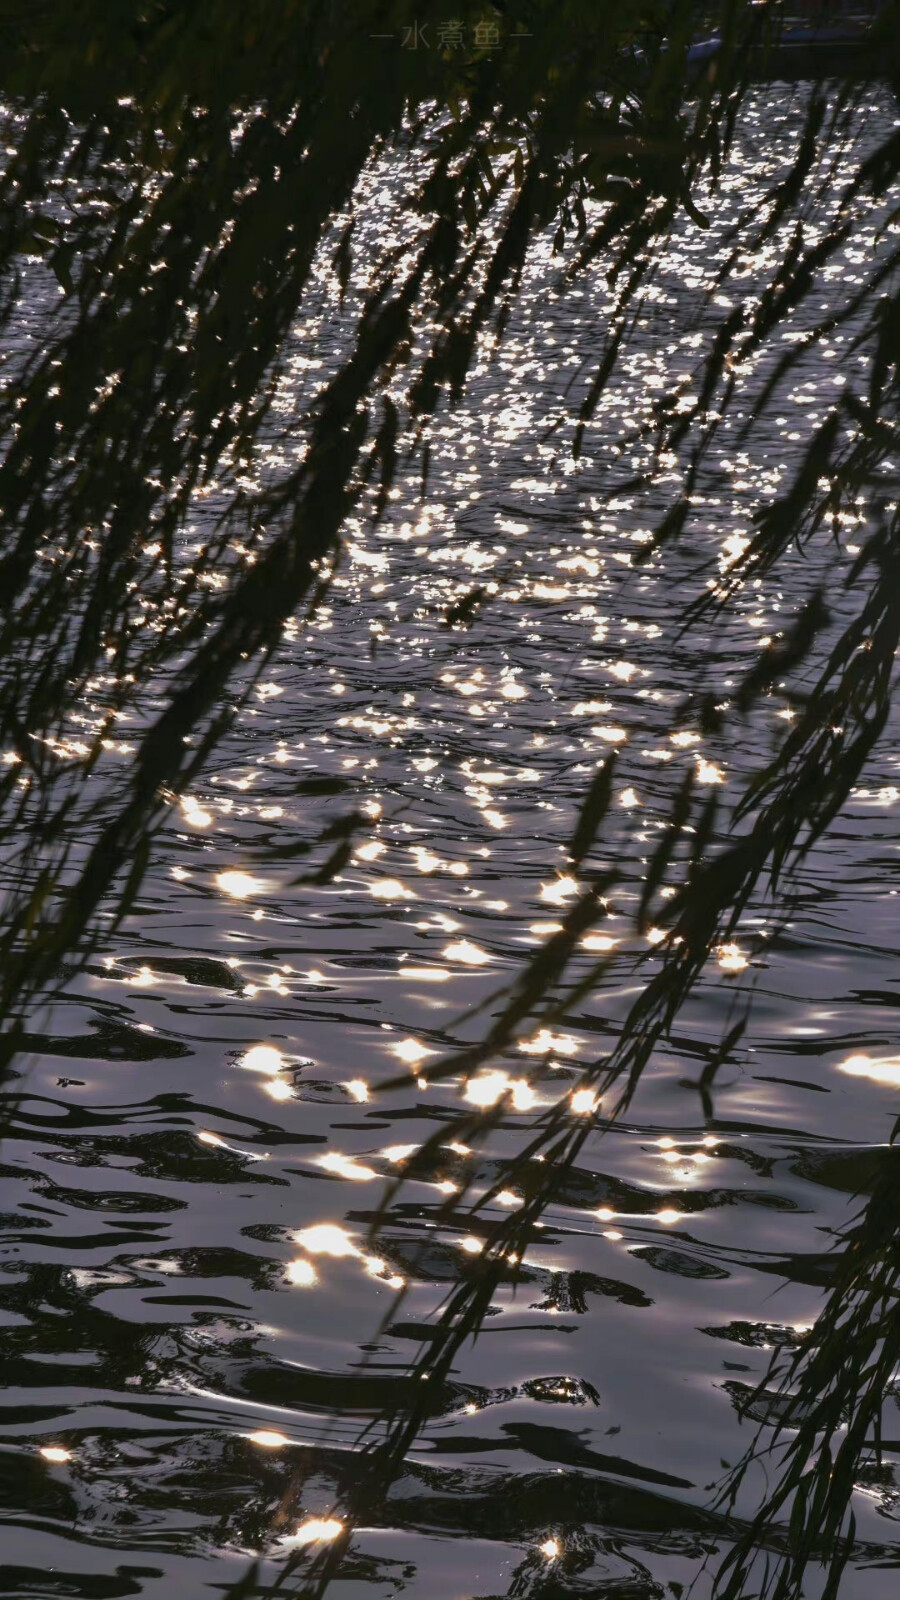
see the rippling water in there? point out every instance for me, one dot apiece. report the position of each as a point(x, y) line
point(195, 1332)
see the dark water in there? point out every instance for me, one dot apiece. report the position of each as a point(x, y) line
point(192, 1321)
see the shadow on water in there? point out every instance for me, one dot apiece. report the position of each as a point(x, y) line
point(179, 188)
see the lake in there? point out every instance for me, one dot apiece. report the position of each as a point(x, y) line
point(196, 1330)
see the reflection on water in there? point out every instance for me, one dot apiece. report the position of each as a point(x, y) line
point(883, 1070)
point(197, 1331)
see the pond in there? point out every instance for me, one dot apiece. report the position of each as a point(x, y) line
point(197, 1332)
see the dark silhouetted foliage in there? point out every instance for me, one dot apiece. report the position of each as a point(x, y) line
point(175, 175)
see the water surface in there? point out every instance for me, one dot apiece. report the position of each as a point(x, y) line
point(195, 1330)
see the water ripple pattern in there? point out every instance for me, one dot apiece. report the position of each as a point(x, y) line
point(195, 1328)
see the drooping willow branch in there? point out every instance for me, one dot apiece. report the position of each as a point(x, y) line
point(179, 210)
point(180, 223)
